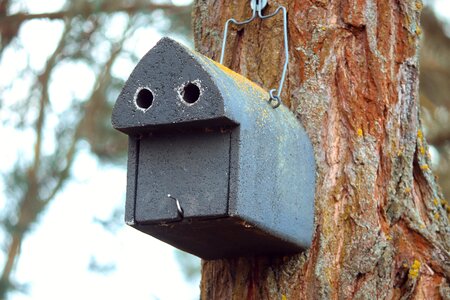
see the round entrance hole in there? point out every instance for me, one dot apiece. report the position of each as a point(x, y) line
point(190, 93)
point(144, 99)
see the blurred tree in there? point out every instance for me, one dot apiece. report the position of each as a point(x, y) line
point(435, 92)
point(381, 222)
point(36, 179)
point(33, 183)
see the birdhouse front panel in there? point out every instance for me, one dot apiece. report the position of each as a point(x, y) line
point(192, 167)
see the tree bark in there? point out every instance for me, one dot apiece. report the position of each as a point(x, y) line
point(381, 223)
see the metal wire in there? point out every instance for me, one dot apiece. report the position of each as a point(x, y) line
point(257, 11)
point(179, 208)
point(225, 32)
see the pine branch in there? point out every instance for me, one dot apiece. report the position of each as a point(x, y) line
point(101, 83)
point(88, 10)
point(31, 204)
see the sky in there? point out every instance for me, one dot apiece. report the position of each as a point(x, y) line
point(55, 258)
point(442, 8)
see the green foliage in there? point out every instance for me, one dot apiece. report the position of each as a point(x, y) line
point(94, 35)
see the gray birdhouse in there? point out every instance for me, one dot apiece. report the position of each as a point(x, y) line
point(213, 169)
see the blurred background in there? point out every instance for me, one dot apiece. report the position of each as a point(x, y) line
point(63, 176)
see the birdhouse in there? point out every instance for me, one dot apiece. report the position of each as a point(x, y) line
point(213, 168)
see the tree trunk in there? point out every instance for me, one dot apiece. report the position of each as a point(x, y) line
point(381, 223)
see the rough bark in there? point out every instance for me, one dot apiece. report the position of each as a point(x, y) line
point(381, 223)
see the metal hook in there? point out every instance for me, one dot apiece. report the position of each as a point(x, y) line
point(179, 208)
point(257, 7)
point(258, 4)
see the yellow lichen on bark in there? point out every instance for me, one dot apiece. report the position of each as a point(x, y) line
point(414, 270)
